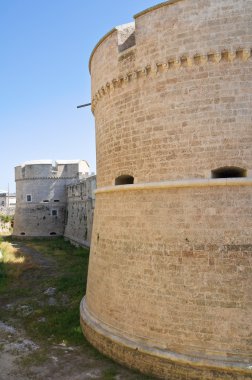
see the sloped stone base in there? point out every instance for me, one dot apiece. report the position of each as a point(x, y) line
point(152, 361)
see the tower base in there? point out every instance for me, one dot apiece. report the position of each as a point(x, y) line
point(154, 361)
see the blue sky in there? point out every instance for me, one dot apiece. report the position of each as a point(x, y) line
point(45, 47)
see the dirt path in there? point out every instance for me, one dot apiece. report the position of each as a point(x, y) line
point(25, 357)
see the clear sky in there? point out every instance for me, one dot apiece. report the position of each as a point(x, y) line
point(45, 47)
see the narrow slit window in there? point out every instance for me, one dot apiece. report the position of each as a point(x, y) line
point(124, 180)
point(229, 172)
point(45, 200)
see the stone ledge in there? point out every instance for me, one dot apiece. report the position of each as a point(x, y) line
point(178, 184)
point(151, 360)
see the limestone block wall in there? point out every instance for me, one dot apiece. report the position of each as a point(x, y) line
point(183, 79)
point(7, 203)
point(79, 211)
point(182, 284)
point(41, 196)
point(169, 283)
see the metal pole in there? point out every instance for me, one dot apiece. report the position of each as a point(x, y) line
point(84, 105)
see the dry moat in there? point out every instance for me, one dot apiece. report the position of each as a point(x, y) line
point(41, 285)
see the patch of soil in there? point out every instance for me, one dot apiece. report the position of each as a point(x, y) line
point(23, 357)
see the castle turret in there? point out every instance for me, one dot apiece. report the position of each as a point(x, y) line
point(169, 275)
point(41, 195)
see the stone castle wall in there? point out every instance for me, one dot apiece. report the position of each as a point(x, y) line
point(173, 249)
point(42, 198)
point(80, 209)
point(7, 203)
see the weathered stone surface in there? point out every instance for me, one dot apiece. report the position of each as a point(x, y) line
point(42, 197)
point(80, 210)
point(170, 257)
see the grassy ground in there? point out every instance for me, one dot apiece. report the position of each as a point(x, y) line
point(27, 270)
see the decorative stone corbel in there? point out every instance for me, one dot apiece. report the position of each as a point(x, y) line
point(126, 78)
point(134, 74)
point(197, 59)
point(147, 69)
point(120, 81)
point(157, 68)
point(183, 61)
point(165, 66)
point(203, 59)
point(177, 63)
point(189, 61)
point(231, 55)
point(246, 53)
point(171, 63)
point(217, 57)
point(153, 70)
point(114, 83)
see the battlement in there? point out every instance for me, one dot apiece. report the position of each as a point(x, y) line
point(126, 32)
point(39, 169)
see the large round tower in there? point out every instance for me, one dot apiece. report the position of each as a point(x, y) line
point(169, 283)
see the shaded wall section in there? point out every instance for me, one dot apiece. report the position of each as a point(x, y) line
point(79, 211)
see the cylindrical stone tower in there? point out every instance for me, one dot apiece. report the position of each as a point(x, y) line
point(169, 283)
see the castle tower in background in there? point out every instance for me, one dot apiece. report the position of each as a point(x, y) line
point(42, 196)
point(169, 283)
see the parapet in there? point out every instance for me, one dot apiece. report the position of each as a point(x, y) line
point(188, 32)
point(125, 35)
point(50, 169)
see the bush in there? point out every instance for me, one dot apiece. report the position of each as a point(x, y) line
point(6, 218)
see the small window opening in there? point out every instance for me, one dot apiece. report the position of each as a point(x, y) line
point(45, 200)
point(124, 180)
point(56, 200)
point(28, 198)
point(53, 233)
point(229, 172)
point(54, 212)
point(22, 233)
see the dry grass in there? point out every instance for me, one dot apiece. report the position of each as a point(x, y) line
point(14, 262)
point(51, 326)
point(10, 254)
